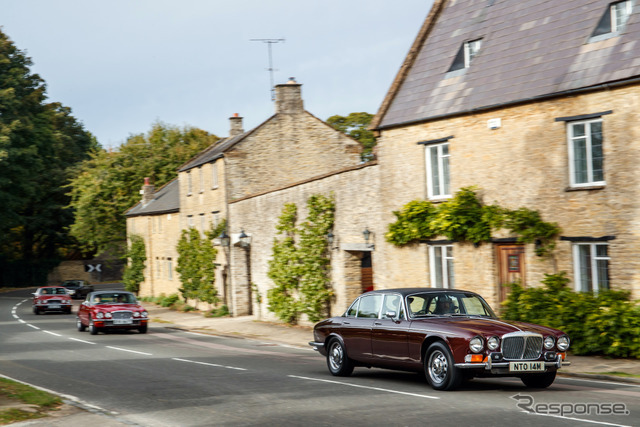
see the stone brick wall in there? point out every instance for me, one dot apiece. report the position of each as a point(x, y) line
point(524, 163)
point(357, 207)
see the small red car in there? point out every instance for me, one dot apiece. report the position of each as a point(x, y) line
point(111, 310)
point(51, 298)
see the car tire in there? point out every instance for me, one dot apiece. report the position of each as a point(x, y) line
point(92, 328)
point(68, 310)
point(539, 380)
point(36, 310)
point(440, 369)
point(142, 329)
point(79, 325)
point(338, 362)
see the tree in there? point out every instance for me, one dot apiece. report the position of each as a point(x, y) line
point(40, 143)
point(108, 184)
point(136, 256)
point(356, 126)
point(196, 266)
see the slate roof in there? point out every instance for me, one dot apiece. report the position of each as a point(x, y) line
point(165, 200)
point(214, 152)
point(530, 50)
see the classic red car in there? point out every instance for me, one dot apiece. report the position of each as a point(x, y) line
point(104, 310)
point(51, 298)
point(451, 335)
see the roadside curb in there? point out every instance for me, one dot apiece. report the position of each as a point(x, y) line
point(612, 378)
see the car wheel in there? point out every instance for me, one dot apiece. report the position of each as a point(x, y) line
point(440, 369)
point(539, 380)
point(142, 329)
point(339, 364)
point(79, 324)
point(36, 310)
point(92, 328)
point(68, 310)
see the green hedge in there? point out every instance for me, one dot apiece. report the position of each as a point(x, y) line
point(607, 323)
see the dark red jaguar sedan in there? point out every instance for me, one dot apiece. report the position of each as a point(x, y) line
point(51, 298)
point(451, 335)
point(111, 310)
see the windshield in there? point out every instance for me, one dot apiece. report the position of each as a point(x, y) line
point(53, 291)
point(114, 298)
point(447, 304)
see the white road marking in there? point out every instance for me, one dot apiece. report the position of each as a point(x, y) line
point(130, 351)
point(366, 387)
point(578, 419)
point(208, 364)
point(52, 333)
point(83, 341)
point(32, 326)
point(21, 321)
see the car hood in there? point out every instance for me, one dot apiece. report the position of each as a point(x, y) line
point(118, 307)
point(481, 326)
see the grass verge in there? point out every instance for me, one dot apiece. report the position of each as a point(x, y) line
point(13, 395)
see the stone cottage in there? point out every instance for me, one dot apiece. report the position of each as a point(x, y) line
point(534, 103)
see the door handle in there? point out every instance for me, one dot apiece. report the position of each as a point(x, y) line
point(377, 323)
point(346, 323)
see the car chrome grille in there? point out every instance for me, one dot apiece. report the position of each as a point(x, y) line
point(54, 301)
point(518, 346)
point(122, 315)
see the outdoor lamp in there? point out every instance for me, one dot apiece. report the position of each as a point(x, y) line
point(224, 239)
point(245, 240)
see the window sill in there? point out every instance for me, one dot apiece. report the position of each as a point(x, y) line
point(586, 188)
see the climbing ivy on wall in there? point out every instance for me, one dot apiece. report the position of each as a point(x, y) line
point(196, 257)
point(464, 218)
point(136, 256)
point(299, 266)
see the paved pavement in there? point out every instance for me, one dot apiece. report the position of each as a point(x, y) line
point(297, 336)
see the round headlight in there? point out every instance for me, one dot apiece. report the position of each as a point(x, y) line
point(107, 315)
point(493, 343)
point(136, 314)
point(144, 314)
point(99, 315)
point(476, 344)
point(549, 342)
point(563, 343)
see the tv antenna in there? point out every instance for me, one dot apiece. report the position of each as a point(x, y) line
point(269, 42)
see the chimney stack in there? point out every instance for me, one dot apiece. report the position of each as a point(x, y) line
point(236, 125)
point(289, 97)
point(147, 191)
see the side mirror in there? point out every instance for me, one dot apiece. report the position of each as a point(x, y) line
point(390, 314)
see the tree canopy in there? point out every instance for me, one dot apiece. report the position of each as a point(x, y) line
point(40, 142)
point(108, 183)
point(356, 126)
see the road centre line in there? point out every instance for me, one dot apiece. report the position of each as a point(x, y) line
point(604, 423)
point(32, 326)
point(83, 341)
point(424, 396)
point(52, 333)
point(130, 351)
point(21, 321)
point(208, 364)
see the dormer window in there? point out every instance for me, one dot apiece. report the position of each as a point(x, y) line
point(614, 18)
point(465, 55)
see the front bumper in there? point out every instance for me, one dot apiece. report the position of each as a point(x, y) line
point(497, 365)
point(109, 323)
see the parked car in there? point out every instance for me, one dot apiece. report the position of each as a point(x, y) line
point(451, 335)
point(78, 289)
point(51, 298)
point(111, 310)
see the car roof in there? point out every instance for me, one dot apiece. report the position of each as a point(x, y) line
point(50, 287)
point(111, 291)
point(410, 291)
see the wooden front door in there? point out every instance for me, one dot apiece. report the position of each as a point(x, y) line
point(511, 267)
point(366, 272)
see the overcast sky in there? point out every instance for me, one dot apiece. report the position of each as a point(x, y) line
point(121, 65)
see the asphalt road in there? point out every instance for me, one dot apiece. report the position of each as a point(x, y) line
point(175, 378)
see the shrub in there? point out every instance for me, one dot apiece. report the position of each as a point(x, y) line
point(607, 323)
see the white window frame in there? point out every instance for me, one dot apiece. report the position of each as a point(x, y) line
point(618, 21)
point(190, 221)
point(442, 177)
point(439, 252)
point(471, 49)
point(214, 175)
point(201, 176)
point(169, 269)
point(589, 152)
point(189, 184)
point(594, 258)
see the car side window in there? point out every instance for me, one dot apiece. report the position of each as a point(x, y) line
point(392, 303)
point(353, 310)
point(370, 306)
point(417, 304)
